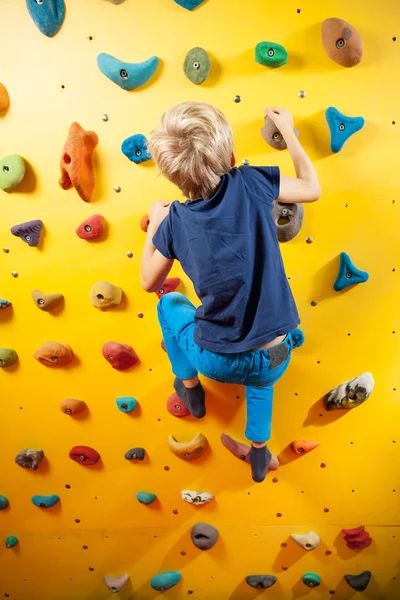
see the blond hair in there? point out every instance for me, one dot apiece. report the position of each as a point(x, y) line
point(193, 148)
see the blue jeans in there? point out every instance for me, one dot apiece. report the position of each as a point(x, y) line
point(251, 369)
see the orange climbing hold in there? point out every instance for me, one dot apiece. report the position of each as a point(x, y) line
point(76, 161)
point(303, 446)
point(144, 223)
point(4, 98)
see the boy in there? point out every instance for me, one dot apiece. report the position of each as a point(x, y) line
point(225, 239)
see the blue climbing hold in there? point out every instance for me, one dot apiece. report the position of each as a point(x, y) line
point(145, 497)
point(348, 274)
point(128, 76)
point(3, 503)
point(126, 403)
point(297, 338)
point(48, 15)
point(4, 303)
point(189, 4)
point(165, 581)
point(341, 127)
point(45, 501)
point(135, 148)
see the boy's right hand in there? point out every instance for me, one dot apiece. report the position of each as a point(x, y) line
point(282, 119)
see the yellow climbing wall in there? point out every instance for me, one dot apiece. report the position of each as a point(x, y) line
point(53, 82)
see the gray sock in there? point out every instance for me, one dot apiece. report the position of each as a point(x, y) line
point(259, 461)
point(193, 398)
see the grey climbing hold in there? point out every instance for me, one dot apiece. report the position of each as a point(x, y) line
point(115, 584)
point(359, 582)
point(204, 536)
point(135, 454)
point(288, 220)
point(273, 136)
point(29, 458)
point(261, 581)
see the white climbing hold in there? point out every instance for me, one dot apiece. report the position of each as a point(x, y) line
point(309, 541)
point(197, 498)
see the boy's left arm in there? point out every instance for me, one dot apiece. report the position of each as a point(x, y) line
point(155, 266)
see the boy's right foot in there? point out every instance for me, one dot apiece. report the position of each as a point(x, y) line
point(193, 398)
point(260, 459)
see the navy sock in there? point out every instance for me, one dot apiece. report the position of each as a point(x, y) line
point(193, 398)
point(259, 461)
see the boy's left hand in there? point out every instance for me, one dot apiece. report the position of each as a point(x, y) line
point(157, 213)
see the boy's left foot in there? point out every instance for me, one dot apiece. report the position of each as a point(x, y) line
point(259, 461)
point(193, 398)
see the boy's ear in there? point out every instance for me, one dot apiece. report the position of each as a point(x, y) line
point(233, 160)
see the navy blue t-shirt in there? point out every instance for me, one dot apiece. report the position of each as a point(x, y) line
point(228, 247)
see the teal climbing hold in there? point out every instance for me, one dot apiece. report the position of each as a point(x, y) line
point(145, 497)
point(48, 15)
point(135, 148)
point(189, 4)
point(45, 501)
point(297, 338)
point(128, 76)
point(311, 580)
point(126, 404)
point(270, 54)
point(11, 541)
point(341, 127)
point(3, 503)
point(4, 303)
point(165, 581)
point(348, 274)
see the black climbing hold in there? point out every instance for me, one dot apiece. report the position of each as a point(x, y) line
point(261, 581)
point(359, 582)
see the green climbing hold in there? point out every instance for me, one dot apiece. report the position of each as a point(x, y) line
point(197, 65)
point(12, 171)
point(8, 357)
point(271, 55)
point(146, 497)
point(3, 502)
point(311, 580)
point(165, 581)
point(11, 541)
point(348, 274)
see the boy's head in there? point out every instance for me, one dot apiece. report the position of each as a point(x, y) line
point(193, 148)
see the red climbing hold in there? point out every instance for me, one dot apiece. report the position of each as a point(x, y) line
point(355, 531)
point(176, 407)
point(90, 228)
point(84, 455)
point(170, 285)
point(120, 356)
point(357, 538)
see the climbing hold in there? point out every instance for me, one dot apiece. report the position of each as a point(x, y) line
point(341, 127)
point(197, 65)
point(204, 536)
point(303, 447)
point(45, 501)
point(342, 42)
point(170, 285)
point(288, 220)
point(176, 407)
point(238, 449)
point(146, 497)
point(197, 498)
point(84, 455)
point(4, 304)
point(72, 407)
point(91, 228)
point(273, 136)
point(115, 584)
point(48, 15)
point(309, 541)
point(4, 98)
point(120, 356)
point(29, 232)
point(11, 541)
point(357, 539)
point(104, 295)
point(189, 4)
point(8, 357)
point(311, 580)
point(188, 450)
point(126, 403)
point(144, 223)
point(348, 274)
point(165, 581)
point(270, 54)
point(350, 393)
point(359, 582)
point(261, 582)
point(355, 531)
point(3, 502)
point(12, 171)
point(135, 454)
point(29, 458)
point(135, 148)
point(54, 354)
point(128, 76)
point(46, 301)
point(76, 161)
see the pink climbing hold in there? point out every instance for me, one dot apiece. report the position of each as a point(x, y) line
point(170, 285)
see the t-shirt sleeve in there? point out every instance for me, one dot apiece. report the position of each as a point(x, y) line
point(263, 182)
point(163, 239)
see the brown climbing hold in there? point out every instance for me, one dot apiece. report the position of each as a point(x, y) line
point(204, 536)
point(303, 447)
point(273, 136)
point(176, 407)
point(170, 285)
point(29, 458)
point(288, 220)
point(120, 356)
point(46, 301)
point(72, 407)
point(91, 228)
point(342, 43)
point(115, 584)
point(188, 450)
point(144, 223)
point(4, 98)
point(54, 354)
point(76, 161)
point(104, 295)
point(163, 345)
point(84, 455)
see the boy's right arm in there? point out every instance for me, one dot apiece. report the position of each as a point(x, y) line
point(305, 187)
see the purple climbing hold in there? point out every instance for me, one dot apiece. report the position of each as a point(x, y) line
point(29, 232)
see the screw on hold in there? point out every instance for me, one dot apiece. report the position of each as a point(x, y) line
point(342, 127)
point(314, 303)
point(302, 94)
point(348, 275)
point(129, 254)
point(104, 117)
point(323, 465)
point(140, 315)
point(14, 274)
point(6, 250)
point(275, 480)
point(309, 240)
point(237, 99)
point(6, 168)
point(161, 291)
point(124, 73)
point(117, 189)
